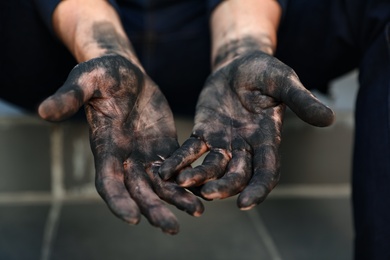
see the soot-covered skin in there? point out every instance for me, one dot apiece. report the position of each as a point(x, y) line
point(131, 133)
point(239, 120)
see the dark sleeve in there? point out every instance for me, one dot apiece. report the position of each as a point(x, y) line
point(213, 3)
point(283, 4)
point(46, 8)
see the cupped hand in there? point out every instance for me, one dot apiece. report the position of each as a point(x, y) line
point(238, 121)
point(131, 133)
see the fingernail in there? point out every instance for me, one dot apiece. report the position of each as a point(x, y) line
point(197, 214)
point(170, 231)
point(187, 183)
point(213, 196)
point(131, 221)
point(247, 207)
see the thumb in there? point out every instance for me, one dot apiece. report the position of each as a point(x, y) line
point(67, 100)
point(63, 104)
point(305, 105)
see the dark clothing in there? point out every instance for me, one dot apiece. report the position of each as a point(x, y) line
point(320, 40)
point(330, 39)
point(371, 167)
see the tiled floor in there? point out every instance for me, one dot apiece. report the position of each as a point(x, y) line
point(21, 231)
point(281, 228)
point(300, 220)
point(308, 216)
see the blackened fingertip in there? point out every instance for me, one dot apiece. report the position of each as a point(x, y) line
point(192, 206)
point(185, 178)
point(245, 204)
point(171, 230)
point(212, 196)
point(327, 115)
point(186, 183)
point(132, 217)
point(41, 111)
point(164, 172)
point(199, 211)
point(168, 169)
point(331, 117)
point(46, 112)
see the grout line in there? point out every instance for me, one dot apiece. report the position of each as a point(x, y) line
point(311, 191)
point(57, 190)
point(50, 230)
point(283, 191)
point(26, 119)
point(35, 198)
point(57, 162)
point(262, 231)
point(25, 198)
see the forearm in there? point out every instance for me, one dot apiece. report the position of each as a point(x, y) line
point(238, 26)
point(91, 28)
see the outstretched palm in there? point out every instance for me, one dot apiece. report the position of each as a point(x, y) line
point(131, 132)
point(239, 119)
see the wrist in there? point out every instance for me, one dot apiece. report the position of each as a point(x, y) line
point(240, 26)
point(235, 48)
point(104, 39)
point(91, 29)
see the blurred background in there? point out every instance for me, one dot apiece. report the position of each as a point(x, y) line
point(49, 208)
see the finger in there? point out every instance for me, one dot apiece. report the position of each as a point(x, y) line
point(264, 179)
point(151, 206)
point(110, 185)
point(196, 190)
point(237, 175)
point(62, 105)
point(305, 105)
point(175, 195)
point(70, 97)
point(213, 167)
point(189, 152)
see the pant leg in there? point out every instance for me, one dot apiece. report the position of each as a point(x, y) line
point(323, 39)
point(371, 167)
point(33, 63)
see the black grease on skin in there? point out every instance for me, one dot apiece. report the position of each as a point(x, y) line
point(238, 47)
point(243, 130)
point(108, 40)
point(138, 128)
point(241, 108)
point(131, 131)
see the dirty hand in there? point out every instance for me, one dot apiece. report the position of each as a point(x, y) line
point(238, 121)
point(131, 133)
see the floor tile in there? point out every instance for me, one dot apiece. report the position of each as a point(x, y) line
point(21, 231)
point(78, 160)
point(309, 228)
point(315, 155)
point(24, 156)
point(90, 231)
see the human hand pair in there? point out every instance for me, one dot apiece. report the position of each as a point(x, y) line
point(239, 119)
